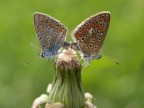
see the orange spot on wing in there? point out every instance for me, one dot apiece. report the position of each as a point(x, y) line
point(77, 36)
point(100, 27)
point(102, 19)
point(102, 30)
point(84, 30)
point(88, 27)
point(62, 30)
point(57, 28)
point(96, 24)
point(92, 25)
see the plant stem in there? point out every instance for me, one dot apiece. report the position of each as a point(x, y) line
point(67, 85)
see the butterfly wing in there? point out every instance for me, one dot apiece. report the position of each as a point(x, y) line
point(51, 34)
point(91, 33)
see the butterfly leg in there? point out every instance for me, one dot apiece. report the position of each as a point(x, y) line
point(87, 59)
point(87, 62)
point(75, 46)
point(96, 57)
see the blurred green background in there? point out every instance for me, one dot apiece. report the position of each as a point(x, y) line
point(24, 75)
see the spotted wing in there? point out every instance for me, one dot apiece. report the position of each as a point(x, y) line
point(50, 32)
point(91, 33)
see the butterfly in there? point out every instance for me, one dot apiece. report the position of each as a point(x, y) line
point(51, 34)
point(88, 36)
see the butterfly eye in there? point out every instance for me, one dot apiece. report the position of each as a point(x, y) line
point(42, 54)
point(54, 43)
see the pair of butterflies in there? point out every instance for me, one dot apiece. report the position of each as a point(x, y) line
point(88, 36)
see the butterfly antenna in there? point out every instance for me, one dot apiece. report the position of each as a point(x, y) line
point(34, 46)
point(113, 60)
